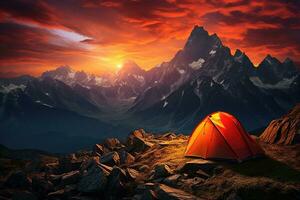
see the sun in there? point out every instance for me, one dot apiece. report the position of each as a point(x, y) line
point(119, 66)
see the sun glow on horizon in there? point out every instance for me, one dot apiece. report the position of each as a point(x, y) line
point(119, 66)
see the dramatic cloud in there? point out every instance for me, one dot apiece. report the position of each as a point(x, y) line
point(97, 35)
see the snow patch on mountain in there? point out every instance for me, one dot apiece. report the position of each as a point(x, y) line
point(165, 104)
point(139, 78)
point(181, 71)
point(283, 84)
point(197, 64)
point(44, 104)
point(212, 52)
point(11, 87)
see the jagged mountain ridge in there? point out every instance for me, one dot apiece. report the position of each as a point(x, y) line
point(201, 78)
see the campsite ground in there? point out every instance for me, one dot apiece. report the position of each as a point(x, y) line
point(275, 176)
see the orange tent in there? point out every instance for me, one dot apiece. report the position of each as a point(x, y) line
point(221, 136)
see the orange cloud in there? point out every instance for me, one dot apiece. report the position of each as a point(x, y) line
point(97, 35)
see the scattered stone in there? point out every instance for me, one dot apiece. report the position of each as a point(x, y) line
point(166, 192)
point(98, 149)
point(52, 168)
point(172, 180)
point(69, 163)
point(132, 174)
point(168, 136)
point(59, 194)
point(113, 144)
point(70, 177)
point(144, 168)
point(161, 171)
point(88, 163)
point(41, 186)
point(23, 195)
point(116, 181)
point(18, 180)
point(125, 157)
point(193, 166)
point(111, 158)
point(70, 189)
point(149, 195)
point(136, 143)
point(95, 180)
point(55, 179)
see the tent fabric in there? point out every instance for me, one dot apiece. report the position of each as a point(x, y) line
point(221, 136)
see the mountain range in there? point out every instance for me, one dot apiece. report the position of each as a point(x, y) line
point(73, 109)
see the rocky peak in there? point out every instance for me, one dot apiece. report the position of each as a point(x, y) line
point(129, 68)
point(242, 58)
point(199, 38)
point(270, 61)
point(58, 72)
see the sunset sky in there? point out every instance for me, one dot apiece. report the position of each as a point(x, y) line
point(97, 36)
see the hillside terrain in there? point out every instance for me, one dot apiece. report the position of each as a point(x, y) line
point(148, 166)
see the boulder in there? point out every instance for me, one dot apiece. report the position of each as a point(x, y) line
point(98, 150)
point(52, 168)
point(70, 178)
point(285, 130)
point(148, 195)
point(55, 179)
point(59, 194)
point(17, 179)
point(41, 186)
point(69, 163)
point(23, 195)
point(113, 144)
point(70, 189)
point(137, 143)
point(94, 180)
point(132, 174)
point(85, 165)
point(144, 168)
point(172, 180)
point(125, 157)
point(161, 171)
point(115, 182)
point(111, 158)
point(191, 167)
point(166, 192)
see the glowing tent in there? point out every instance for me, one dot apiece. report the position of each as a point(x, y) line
point(221, 136)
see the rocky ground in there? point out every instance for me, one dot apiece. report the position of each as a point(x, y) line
point(148, 166)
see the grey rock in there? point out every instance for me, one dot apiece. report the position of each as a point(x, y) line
point(132, 174)
point(85, 165)
point(98, 149)
point(166, 192)
point(161, 170)
point(23, 195)
point(70, 177)
point(193, 166)
point(149, 195)
point(113, 144)
point(59, 194)
point(172, 180)
point(69, 163)
point(144, 168)
point(116, 181)
point(17, 179)
point(41, 186)
point(111, 158)
point(94, 180)
point(125, 157)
